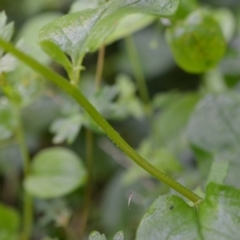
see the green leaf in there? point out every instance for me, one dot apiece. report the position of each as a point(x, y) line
point(197, 43)
point(9, 223)
point(8, 122)
point(55, 172)
point(185, 7)
point(219, 171)
point(125, 27)
point(119, 236)
point(97, 236)
point(81, 5)
point(169, 217)
point(56, 54)
point(84, 31)
point(215, 116)
point(128, 25)
point(66, 129)
point(170, 124)
point(219, 213)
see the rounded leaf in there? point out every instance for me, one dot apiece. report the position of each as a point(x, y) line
point(170, 218)
point(55, 172)
point(197, 43)
point(9, 223)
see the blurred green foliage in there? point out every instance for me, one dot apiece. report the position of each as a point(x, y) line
point(195, 120)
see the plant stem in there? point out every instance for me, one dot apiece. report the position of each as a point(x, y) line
point(89, 149)
point(100, 64)
point(96, 116)
point(138, 73)
point(89, 186)
point(27, 206)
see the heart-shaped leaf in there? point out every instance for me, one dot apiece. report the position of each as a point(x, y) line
point(55, 172)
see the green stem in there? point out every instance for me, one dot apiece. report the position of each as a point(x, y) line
point(27, 205)
point(138, 73)
point(107, 128)
point(100, 64)
point(89, 149)
point(89, 187)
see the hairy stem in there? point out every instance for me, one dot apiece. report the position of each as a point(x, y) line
point(100, 121)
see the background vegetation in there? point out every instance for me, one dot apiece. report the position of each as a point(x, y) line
point(181, 124)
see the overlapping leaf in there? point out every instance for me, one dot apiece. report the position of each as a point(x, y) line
point(84, 31)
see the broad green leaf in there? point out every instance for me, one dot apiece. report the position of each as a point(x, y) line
point(214, 127)
point(7, 120)
point(9, 223)
point(84, 31)
point(6, 30)
point(219, 217)
point(169, 218)
point(97, 236)
point(66, 129)
point(119, 236)
point(218, 172)
point(197, 43)
point(128, 25)
point(55, 172)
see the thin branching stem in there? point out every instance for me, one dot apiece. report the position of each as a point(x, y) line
point(100, 121)
point(27, 204)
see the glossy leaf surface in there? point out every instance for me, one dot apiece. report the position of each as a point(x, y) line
point(84, 31)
